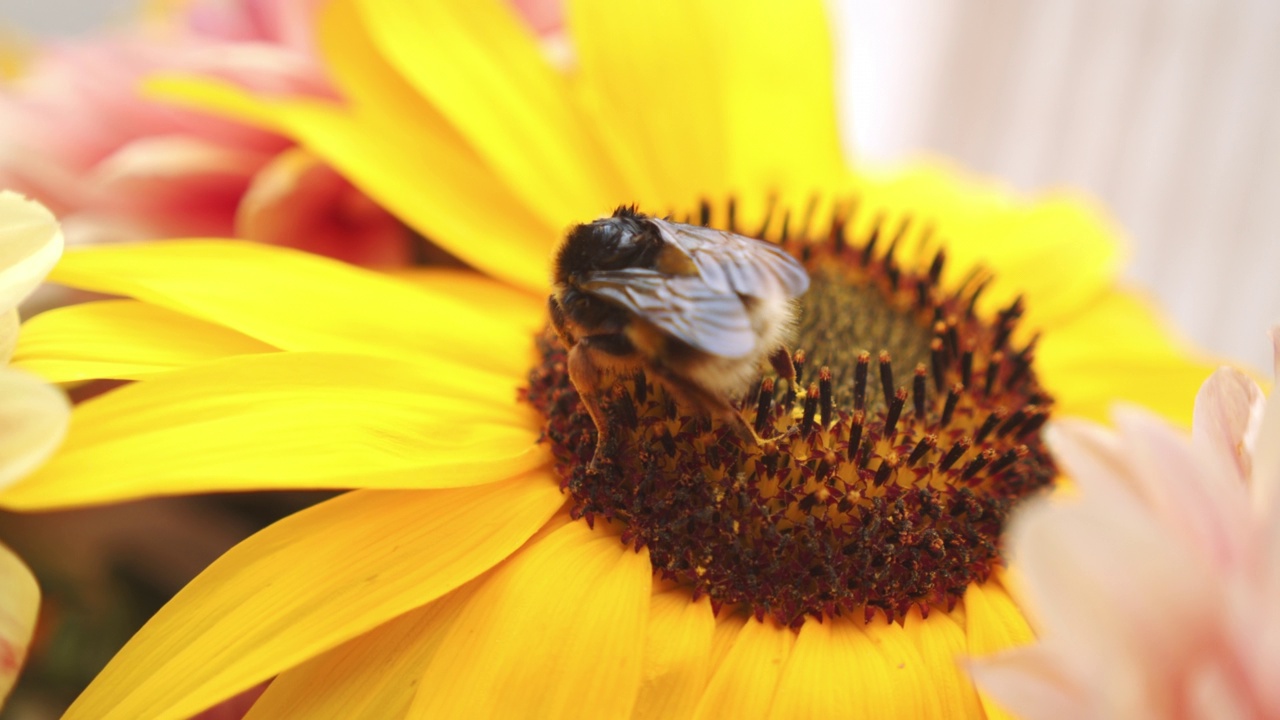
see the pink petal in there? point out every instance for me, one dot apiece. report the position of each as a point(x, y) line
point(298, 201)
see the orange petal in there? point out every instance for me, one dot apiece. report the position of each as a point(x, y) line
point(994, 623)
point(677, 655)
point(942, 646)
point(845, 668)
point(744, 684)
point(309, 583)
point(556, 631)
point(374, 675)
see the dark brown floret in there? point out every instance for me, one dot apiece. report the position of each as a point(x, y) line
point(863, 502)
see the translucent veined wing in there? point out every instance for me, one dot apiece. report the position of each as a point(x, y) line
point(729, 262)
point(684, 306)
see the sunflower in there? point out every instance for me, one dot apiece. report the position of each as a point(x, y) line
point(477, 567)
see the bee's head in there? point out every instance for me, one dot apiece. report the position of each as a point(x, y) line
point(625, 240)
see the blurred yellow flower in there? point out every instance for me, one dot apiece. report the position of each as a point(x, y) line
point(453, 580)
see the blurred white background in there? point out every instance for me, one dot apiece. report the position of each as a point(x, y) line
point(1167, 111)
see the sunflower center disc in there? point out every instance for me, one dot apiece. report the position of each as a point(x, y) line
point(910, 432)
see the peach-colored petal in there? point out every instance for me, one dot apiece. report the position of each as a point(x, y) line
point(1228, 411)
point(1029, 683)
point(1102, 580)
point(9, 323)
point(33, 420)
point(1091, 457)
point(1265, 480)
point(19, 602)
point(1183, 488)
point(30, 245)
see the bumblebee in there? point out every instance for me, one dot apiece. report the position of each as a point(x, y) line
point(698, 309)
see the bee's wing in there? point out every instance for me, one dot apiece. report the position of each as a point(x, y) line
point(686, 307)
point(733, 263)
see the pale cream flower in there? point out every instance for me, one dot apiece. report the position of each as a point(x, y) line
point(1154, 589)
point(33, 415)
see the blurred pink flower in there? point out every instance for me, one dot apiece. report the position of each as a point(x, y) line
point(1154, 589)
point(76, 135)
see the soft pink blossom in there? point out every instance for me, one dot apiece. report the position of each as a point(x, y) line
point(1154, 589)
point(76, 134)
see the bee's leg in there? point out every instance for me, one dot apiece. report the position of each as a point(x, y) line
point(558, 321)
point(586, 361)
point(781, 362)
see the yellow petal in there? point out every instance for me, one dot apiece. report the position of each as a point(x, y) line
point(556, 631)
point(776, 70)
point(942, 645)
point(651, 76)
point(298, 301)
point(478, 64)
point(521, 308)
point(728, 627)
point(19, 603)
point(122, 339)
point(289, 420)
point(30, 243)
point(33, 420)
point(374, 675)
point(982, 224)
point(309, 583)
point(843, 668)
point(398, 150)
point(677, 652)
point(1118, 349)
point(743, 685)
point(993, 623)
